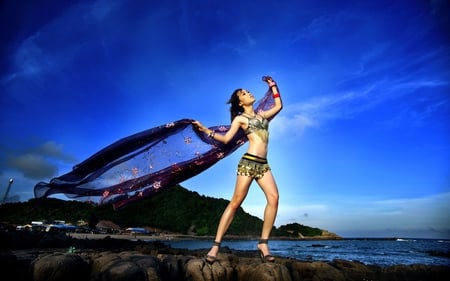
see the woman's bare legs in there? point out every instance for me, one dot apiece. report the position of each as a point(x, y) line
point(240, 192)
point(269, 187)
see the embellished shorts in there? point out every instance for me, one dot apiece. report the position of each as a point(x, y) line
point(252, 166)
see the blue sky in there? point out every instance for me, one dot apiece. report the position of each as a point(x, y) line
point(361, 148)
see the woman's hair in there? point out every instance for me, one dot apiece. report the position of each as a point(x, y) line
point(235, 108)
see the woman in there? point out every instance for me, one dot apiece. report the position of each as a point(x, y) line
point(252, 166)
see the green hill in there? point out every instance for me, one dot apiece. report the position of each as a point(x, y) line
point(174, 210)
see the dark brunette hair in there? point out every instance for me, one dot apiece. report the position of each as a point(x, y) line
point(235, 108)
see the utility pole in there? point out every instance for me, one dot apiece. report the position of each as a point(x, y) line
point(7, 191)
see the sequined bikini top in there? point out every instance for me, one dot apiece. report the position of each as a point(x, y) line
point(258, 126)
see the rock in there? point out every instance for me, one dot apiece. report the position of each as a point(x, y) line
point(124, 266)
point(222, 269)
point(314, 271)
point(121, 260)
point(355, 270)
point(415, 272)
point(172, 267)
point(16, 266)
point(253, 270)
point(60, 267)
point(122, 270)
point(134, 265)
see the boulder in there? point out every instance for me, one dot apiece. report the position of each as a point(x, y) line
point(222, 269)
point(254, 270)
point(60, 267)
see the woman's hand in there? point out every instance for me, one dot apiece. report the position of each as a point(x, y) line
point(199, 126)
point(269, 80)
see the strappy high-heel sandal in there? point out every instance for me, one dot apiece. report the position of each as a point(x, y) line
point(211, 259)
point(265, 258)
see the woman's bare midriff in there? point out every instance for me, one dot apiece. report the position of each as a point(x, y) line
point(256, 146)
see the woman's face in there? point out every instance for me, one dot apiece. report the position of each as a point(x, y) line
point(245, 97)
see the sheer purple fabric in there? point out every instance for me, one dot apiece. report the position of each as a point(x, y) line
point(145, 163)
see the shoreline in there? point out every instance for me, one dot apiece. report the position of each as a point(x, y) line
point(180, 237)
point(165, 237)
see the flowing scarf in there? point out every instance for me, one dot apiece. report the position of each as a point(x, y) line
point(145, 163)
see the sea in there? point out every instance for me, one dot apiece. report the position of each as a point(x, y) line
point(373, 251)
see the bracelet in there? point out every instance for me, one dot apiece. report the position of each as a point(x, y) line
point(211, 134)
point(277, 95)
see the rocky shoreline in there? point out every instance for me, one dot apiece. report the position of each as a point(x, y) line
point(31, 256)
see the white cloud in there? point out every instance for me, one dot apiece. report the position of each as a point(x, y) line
point(33, 166)
point(316, 112)
point(37, 163)
point(54, 150)
point(422, 215)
